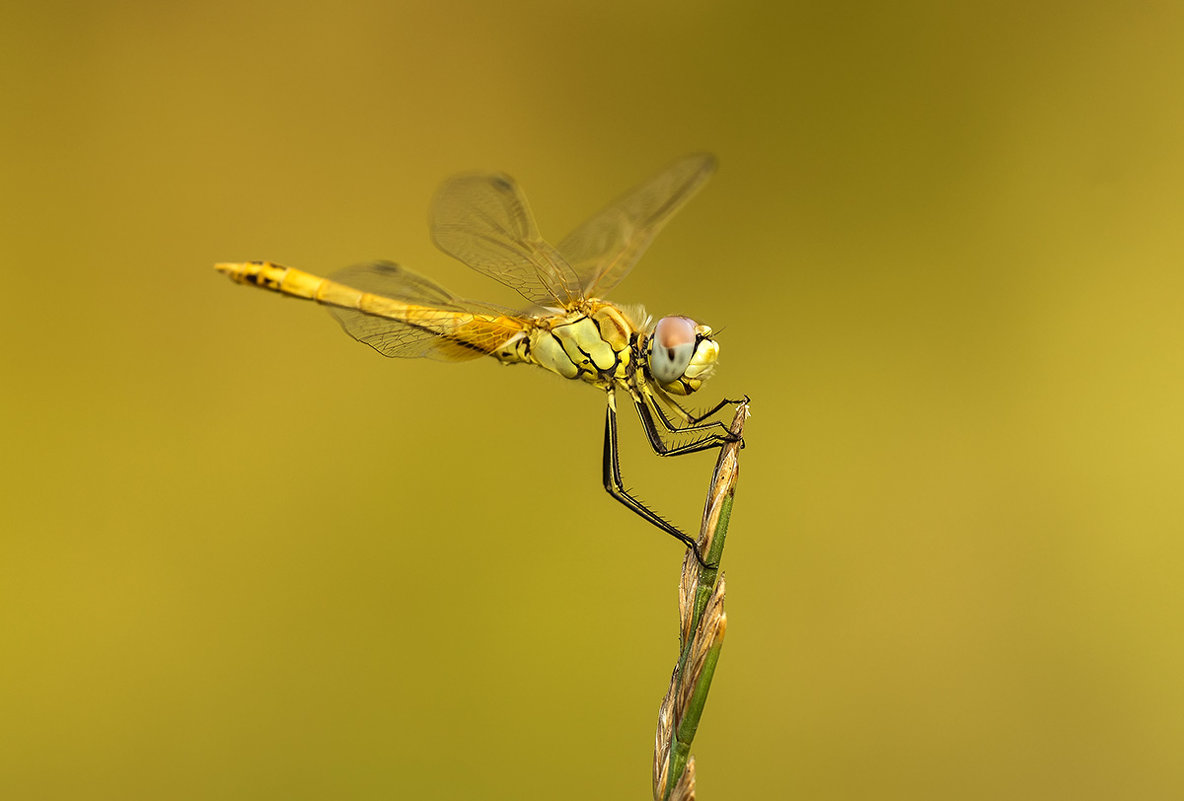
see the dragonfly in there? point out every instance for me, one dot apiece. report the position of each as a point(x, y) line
point(483, 220)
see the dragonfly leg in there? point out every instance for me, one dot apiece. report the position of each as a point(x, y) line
point(698, 418)
point(647, 407)
point(616, 485)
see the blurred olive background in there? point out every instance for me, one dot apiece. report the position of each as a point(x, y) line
point(246, 557)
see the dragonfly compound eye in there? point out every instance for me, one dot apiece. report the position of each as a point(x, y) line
point(671, 347)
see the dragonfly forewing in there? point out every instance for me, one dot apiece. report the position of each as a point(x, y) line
point(604, 249)
point(484, 221)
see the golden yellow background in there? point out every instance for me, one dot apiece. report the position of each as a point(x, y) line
point(244, 557)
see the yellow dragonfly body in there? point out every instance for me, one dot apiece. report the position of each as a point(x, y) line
point(483, 220)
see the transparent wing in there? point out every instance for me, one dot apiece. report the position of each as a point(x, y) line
point(603, 250)
point(484, 220)
point(434, 323)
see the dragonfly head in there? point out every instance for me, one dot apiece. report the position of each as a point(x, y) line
point(680, 354)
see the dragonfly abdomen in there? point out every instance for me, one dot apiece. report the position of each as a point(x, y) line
point(292, 282)
point(388, 324)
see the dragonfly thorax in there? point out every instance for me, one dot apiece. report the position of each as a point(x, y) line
point(601, 344)
point(593, 343)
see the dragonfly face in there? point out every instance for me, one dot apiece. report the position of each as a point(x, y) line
point(484, 221)
point(681, 354)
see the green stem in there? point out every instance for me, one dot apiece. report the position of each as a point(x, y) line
point(702, 633)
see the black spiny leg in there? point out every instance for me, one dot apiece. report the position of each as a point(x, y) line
point(647, 406)
point(697, 418)
point(616, 486)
